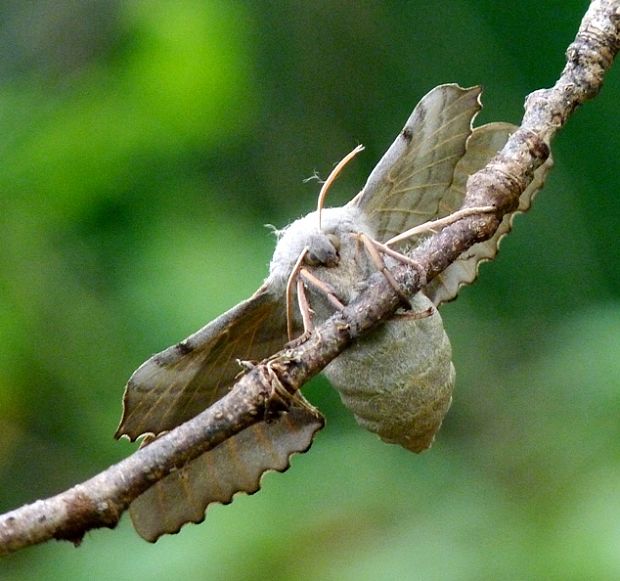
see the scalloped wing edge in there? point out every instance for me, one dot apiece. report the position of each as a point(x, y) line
point(464, 271)
point(148, 512)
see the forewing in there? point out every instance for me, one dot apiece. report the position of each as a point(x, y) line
point(184, 379)
point(235, 465)
point(406, 187)
point(483, 144)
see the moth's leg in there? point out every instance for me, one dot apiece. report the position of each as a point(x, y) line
point(304, 306)
point(298, 276)
point(305, 310)
point(433, 225)
point(401, 258)
point(305, 276)
point(281, 398)
point(327, 289)
point(292, 279)
point(374, 249)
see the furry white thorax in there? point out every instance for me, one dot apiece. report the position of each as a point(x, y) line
point(305, 232)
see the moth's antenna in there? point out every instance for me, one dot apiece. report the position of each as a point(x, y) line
point(332, 177)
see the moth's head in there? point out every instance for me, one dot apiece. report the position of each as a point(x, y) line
point(323, 251)
point(320, 247)
point(315, 239)
point(338, 225)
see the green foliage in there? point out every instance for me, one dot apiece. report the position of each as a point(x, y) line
point(144, 145)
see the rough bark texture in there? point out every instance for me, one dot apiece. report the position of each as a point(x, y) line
point(100, 501)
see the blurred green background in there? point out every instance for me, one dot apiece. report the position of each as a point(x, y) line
point(143, 147)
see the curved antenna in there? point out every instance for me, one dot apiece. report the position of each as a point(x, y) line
point(332, 177)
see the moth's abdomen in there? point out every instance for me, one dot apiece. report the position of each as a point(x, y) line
point(398, 380)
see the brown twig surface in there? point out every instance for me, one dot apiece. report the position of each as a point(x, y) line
point(100, 501)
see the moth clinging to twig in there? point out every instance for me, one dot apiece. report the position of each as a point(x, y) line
point(397, 379)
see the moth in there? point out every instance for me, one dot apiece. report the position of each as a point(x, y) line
point(397, 380)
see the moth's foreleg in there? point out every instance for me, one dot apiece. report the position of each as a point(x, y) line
point(327, 289)
point(435, 225)
point(306, 277)
point(304, 307)
point(292, 280)
point(304, 310)
point(374, 250)
point(306, 315)
point(299, 277)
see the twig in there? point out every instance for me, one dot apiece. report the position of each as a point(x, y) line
point(100, 501)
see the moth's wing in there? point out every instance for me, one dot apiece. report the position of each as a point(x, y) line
point(186, 378)
point(235, 465)
point(484, 143)
point(407, 185)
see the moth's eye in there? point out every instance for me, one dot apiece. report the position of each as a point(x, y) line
point(323, 251)
point(311, 259)
point(334, 240)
